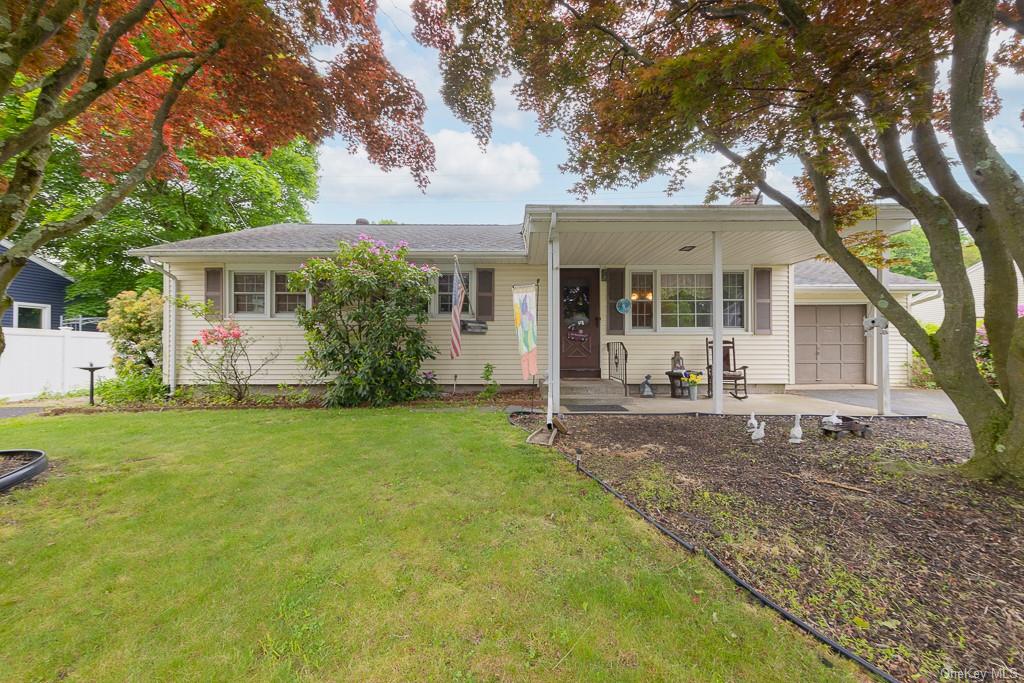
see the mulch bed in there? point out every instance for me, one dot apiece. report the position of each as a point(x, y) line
point(9, 463)
point(879, 542)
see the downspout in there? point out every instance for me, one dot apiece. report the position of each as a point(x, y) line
point(172, 322)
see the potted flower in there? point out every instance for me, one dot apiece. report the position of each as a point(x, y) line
point(692, 379)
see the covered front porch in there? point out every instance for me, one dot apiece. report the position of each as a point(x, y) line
point(653, 280)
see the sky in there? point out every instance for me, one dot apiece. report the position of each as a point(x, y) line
point(520, 165)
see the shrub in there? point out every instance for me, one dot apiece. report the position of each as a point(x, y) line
point(221, 355)
point(920, 375)
point(135, 323)
point(365, 329)
point(131, 388)
point(982, 353)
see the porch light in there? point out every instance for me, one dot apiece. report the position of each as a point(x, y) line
point(688, 247)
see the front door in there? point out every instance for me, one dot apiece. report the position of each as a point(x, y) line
point(580, 325)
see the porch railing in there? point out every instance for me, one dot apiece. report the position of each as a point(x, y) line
point(618, 357)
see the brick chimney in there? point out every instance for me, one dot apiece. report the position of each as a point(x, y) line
point(362, 221)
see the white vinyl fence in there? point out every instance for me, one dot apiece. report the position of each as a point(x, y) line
point(47, 360)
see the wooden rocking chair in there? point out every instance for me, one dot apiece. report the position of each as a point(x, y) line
point(730, 373)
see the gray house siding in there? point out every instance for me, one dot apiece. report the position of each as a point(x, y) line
point(37, 285)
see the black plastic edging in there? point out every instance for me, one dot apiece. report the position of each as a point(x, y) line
point(27, 471)
point(757, 595)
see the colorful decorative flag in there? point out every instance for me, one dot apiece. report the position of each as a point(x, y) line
point(458, 296)
point(524, 307)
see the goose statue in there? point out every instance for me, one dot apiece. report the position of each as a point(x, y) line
point(832, 419)
point(758, 434)
point(752, 423)
point(796, 434)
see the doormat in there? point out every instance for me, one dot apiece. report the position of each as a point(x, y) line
point(595, 407)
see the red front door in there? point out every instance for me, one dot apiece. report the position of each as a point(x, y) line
point(580, 326)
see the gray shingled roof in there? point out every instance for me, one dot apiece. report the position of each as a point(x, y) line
point(324, 238)
point(815, 273)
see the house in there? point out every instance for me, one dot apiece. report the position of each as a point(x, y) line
point(38, 293)
point(929, 307)
point(664, 260)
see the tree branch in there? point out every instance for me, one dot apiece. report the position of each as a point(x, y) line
point(32, 32)
point(626, 46)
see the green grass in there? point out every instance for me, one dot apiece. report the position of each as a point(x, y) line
point(352, 545)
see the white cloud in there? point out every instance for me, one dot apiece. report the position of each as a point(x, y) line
point(463, 171)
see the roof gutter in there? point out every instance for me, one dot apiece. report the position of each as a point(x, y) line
point(172, 322)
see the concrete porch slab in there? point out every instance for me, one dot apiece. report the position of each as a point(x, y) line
point(762, 404)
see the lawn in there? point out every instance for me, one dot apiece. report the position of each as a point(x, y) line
point(352, 545)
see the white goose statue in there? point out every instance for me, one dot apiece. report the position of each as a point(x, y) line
point(752, 423)
point(832, 419)
point(796, 434)
point(758, 434)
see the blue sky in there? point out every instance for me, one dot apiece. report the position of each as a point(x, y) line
point(520, 165)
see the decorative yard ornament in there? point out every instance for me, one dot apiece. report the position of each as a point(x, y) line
point(677, 362)
point(796, 434)
point(832, 420)
point(752, 422)
point(646, 389)
point(757, 436)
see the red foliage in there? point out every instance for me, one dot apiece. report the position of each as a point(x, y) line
point(270, 82)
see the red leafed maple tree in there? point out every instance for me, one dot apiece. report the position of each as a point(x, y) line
point(875, 98)
point(130, 81)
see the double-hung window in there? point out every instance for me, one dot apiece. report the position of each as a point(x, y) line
point(286, 301)
point(444, 291)
point(685, 300)
point(249, 293)
point(641, 295)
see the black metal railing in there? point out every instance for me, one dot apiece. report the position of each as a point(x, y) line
point(618, 356)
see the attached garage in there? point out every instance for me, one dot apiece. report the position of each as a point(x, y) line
point(830, 344)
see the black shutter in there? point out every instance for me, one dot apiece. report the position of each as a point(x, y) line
point(762, 300)
point(485, 293)
point(214, 290)
point(616, 290)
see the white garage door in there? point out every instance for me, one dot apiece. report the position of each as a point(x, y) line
point(830, 344)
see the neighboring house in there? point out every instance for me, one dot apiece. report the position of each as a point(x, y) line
point(829, 341)
point(659, 257)
point(38, 292)
point(930, 307)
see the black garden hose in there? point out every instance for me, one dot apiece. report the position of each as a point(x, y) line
point(758, 595)
point(27, 471)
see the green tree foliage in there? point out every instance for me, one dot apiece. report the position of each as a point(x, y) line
point(135, 323)
point(219, 195)
point(365, 328)
point(911, 254)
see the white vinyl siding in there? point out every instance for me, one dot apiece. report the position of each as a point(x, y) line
point(284, 335)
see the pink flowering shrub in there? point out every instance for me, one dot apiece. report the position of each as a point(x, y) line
point(365, 332)
point(221, 355)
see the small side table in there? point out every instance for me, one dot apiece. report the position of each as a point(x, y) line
point(675, 383)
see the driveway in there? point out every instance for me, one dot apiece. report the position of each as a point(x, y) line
point(930, 402)
point(19, 411)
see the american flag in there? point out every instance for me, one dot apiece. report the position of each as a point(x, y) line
point(458, 296)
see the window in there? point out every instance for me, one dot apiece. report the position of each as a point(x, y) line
point(249, 293)
point(31, 317)
point(684, 301)
point(286, 301)
point(444, 292)
point(641, 294)
point(733, 299)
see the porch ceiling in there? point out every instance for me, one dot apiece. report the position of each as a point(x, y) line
point(633, 235)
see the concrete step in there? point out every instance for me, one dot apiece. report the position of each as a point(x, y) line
point(591, 389)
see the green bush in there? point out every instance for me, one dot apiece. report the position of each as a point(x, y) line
point(131, 388)
point(491, 385)
point(135, 323)
point(365, 329)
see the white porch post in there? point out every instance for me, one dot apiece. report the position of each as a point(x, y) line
point(554, 347)
point(884, 398)
point(717, 322)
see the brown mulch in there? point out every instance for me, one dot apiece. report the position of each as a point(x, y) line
point(14, 461)
point(880, 542)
